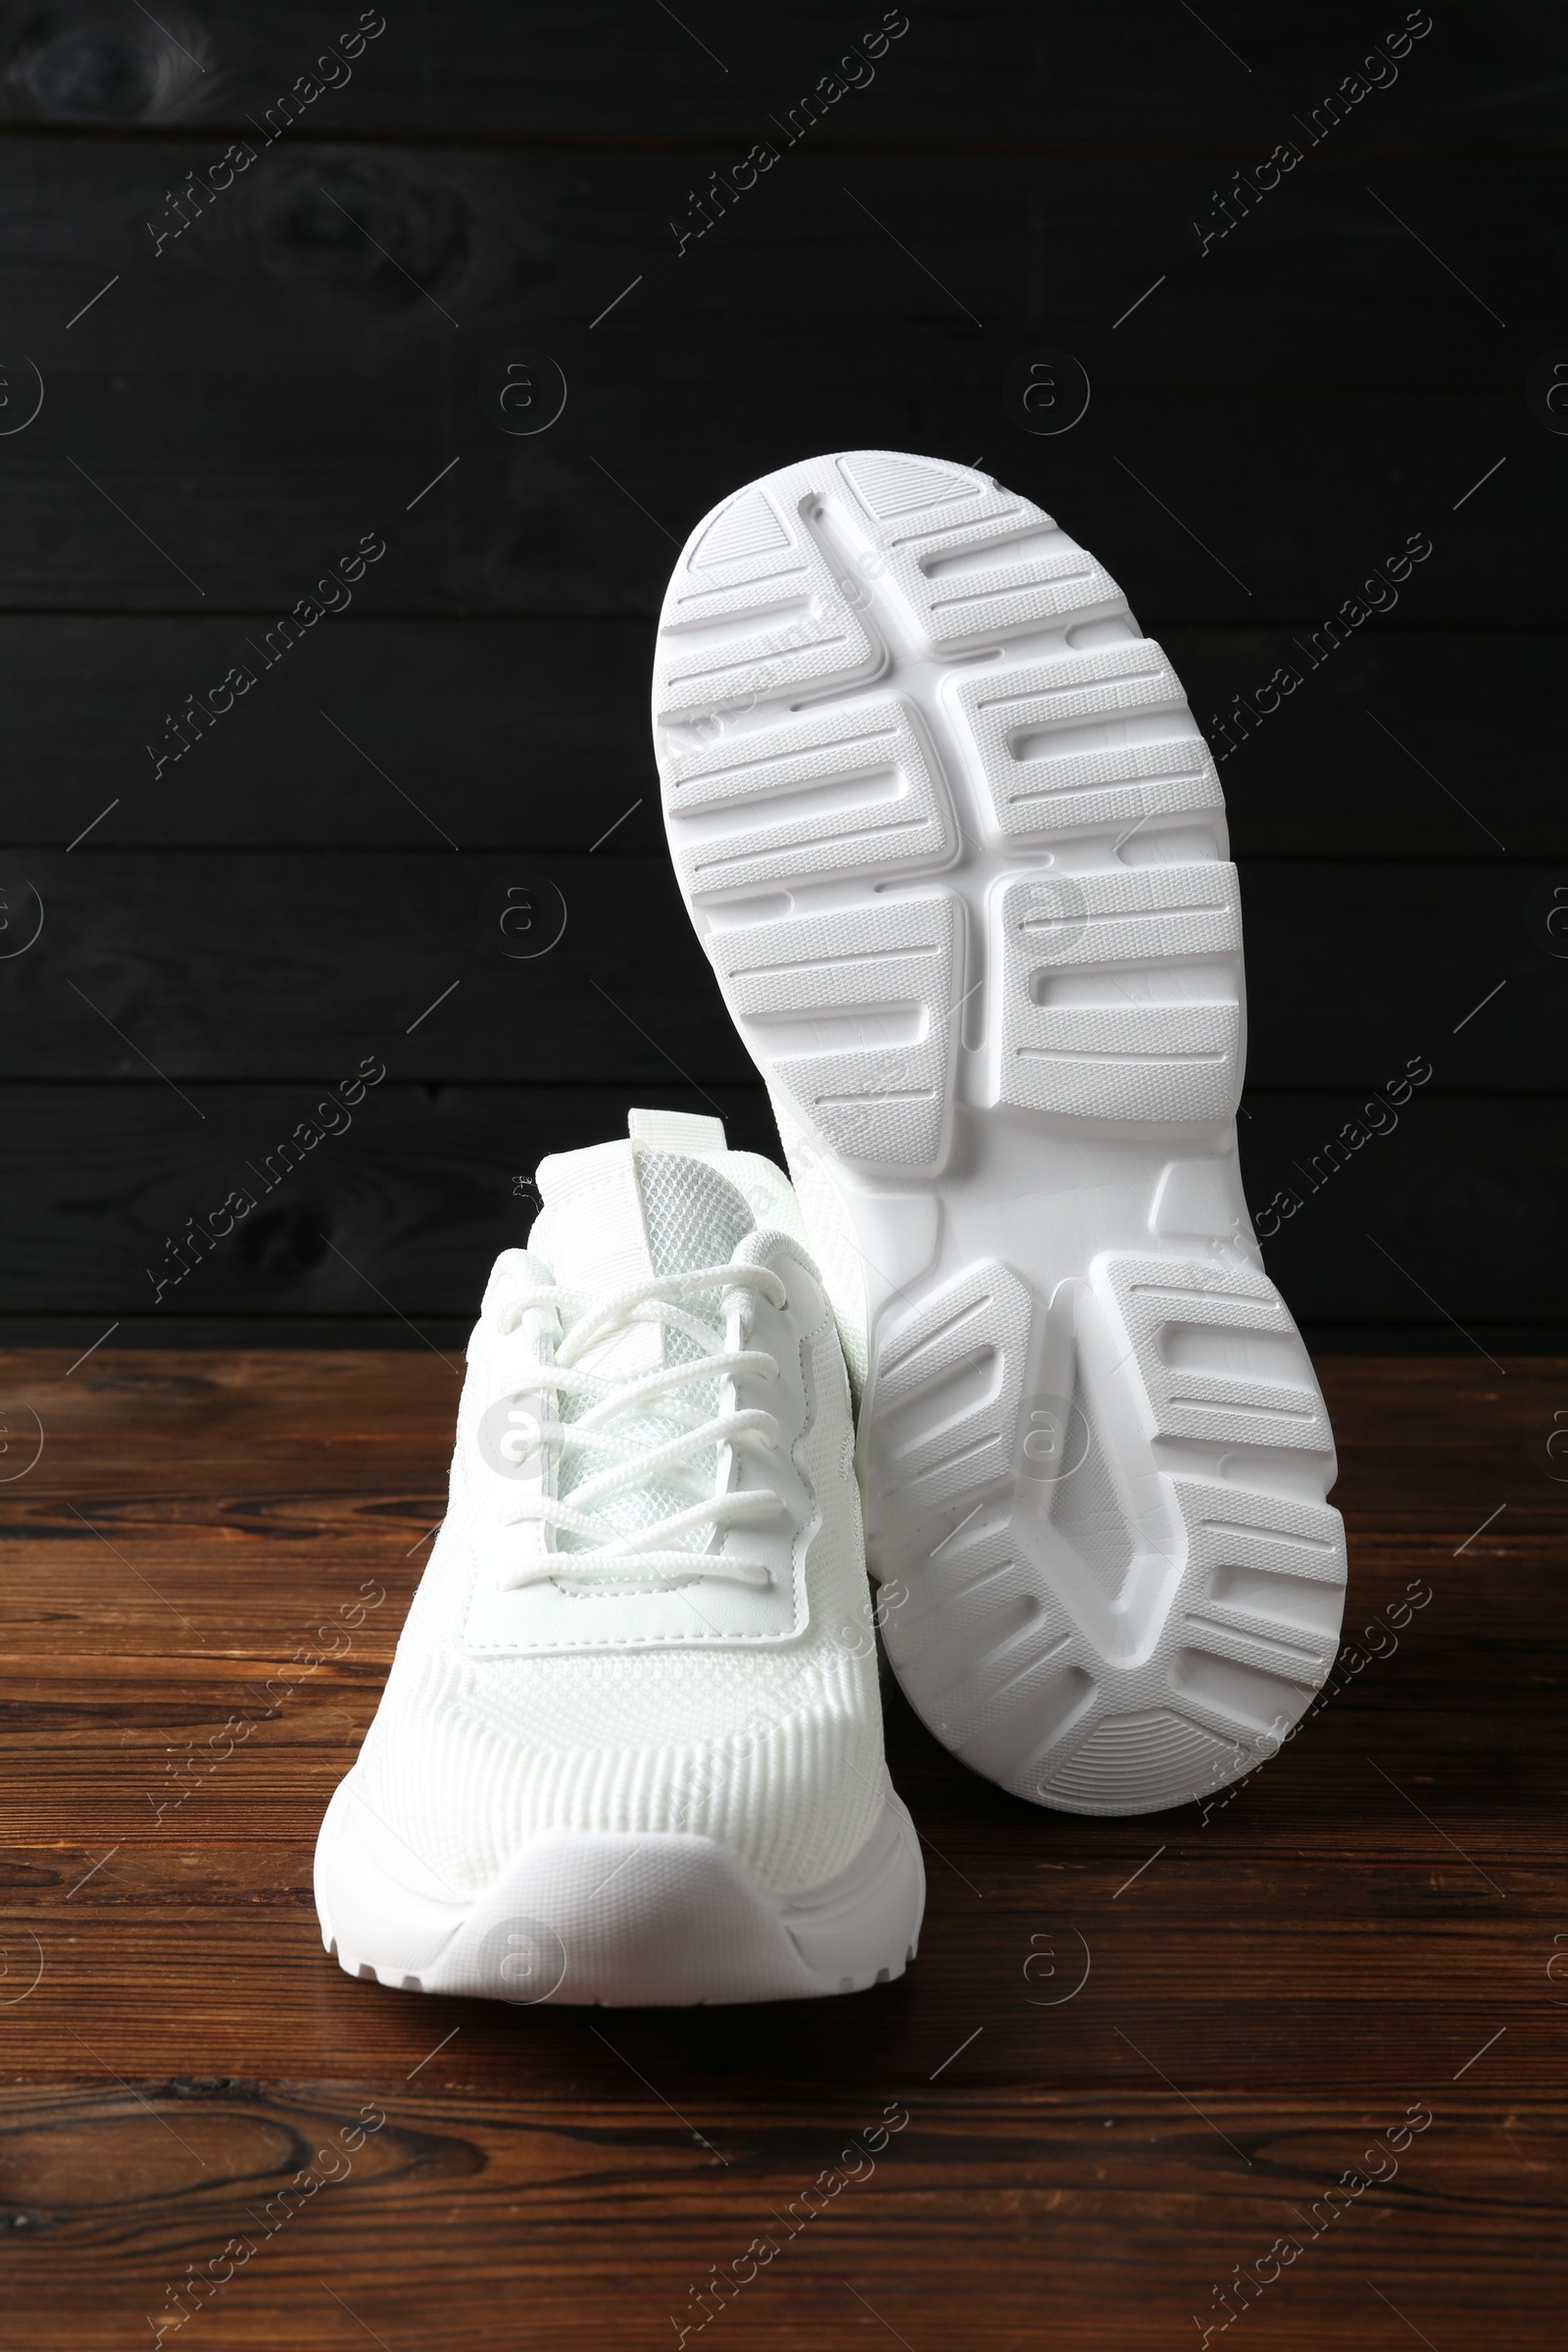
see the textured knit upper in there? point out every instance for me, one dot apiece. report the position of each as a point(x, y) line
point(773, 1748)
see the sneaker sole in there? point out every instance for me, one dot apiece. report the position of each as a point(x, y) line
point(957, 850)
point(627, 1920)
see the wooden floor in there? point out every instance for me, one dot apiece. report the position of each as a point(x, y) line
point(1105, 2107)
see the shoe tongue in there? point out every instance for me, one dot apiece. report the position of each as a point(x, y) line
point(693, 1215)
point(616, 1213)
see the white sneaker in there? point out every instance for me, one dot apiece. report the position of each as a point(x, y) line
point(630, 1749)
point(957, 852)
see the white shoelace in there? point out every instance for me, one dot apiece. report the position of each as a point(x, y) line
point(645, 1555)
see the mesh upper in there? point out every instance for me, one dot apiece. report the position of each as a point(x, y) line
point(695, 1216)
point(774, 1752)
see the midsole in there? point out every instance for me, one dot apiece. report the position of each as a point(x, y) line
point(1047, 1202)
point(613, 1916)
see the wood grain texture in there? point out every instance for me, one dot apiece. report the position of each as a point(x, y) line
point(279, 964)
point(228, 409)
point(1270, 1985)
point(993, 74)
point(1370, 1928)
point(533, 735)
point(419, 1196)
point(429, 1184)
point(307, 358)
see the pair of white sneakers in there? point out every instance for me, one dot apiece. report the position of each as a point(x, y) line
point(957, 850)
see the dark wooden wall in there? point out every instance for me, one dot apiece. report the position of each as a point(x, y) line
point(313, 359)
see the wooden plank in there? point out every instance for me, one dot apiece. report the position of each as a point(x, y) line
point(227, 395)
point(274, 964)
point(323, 959)
point(533, 735)
point(1440, 1221)
point(202, 1746)
point(426, 1188)
point(992, 75)
point(604, 2212)
point(1272, 1986)
point(145, 1962)
point(321, 1430)
point(1390, 750)
point(527, 735)
point(419, 1197)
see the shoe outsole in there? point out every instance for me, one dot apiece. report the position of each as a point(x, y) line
point(632, 1920)
point(957, 850)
